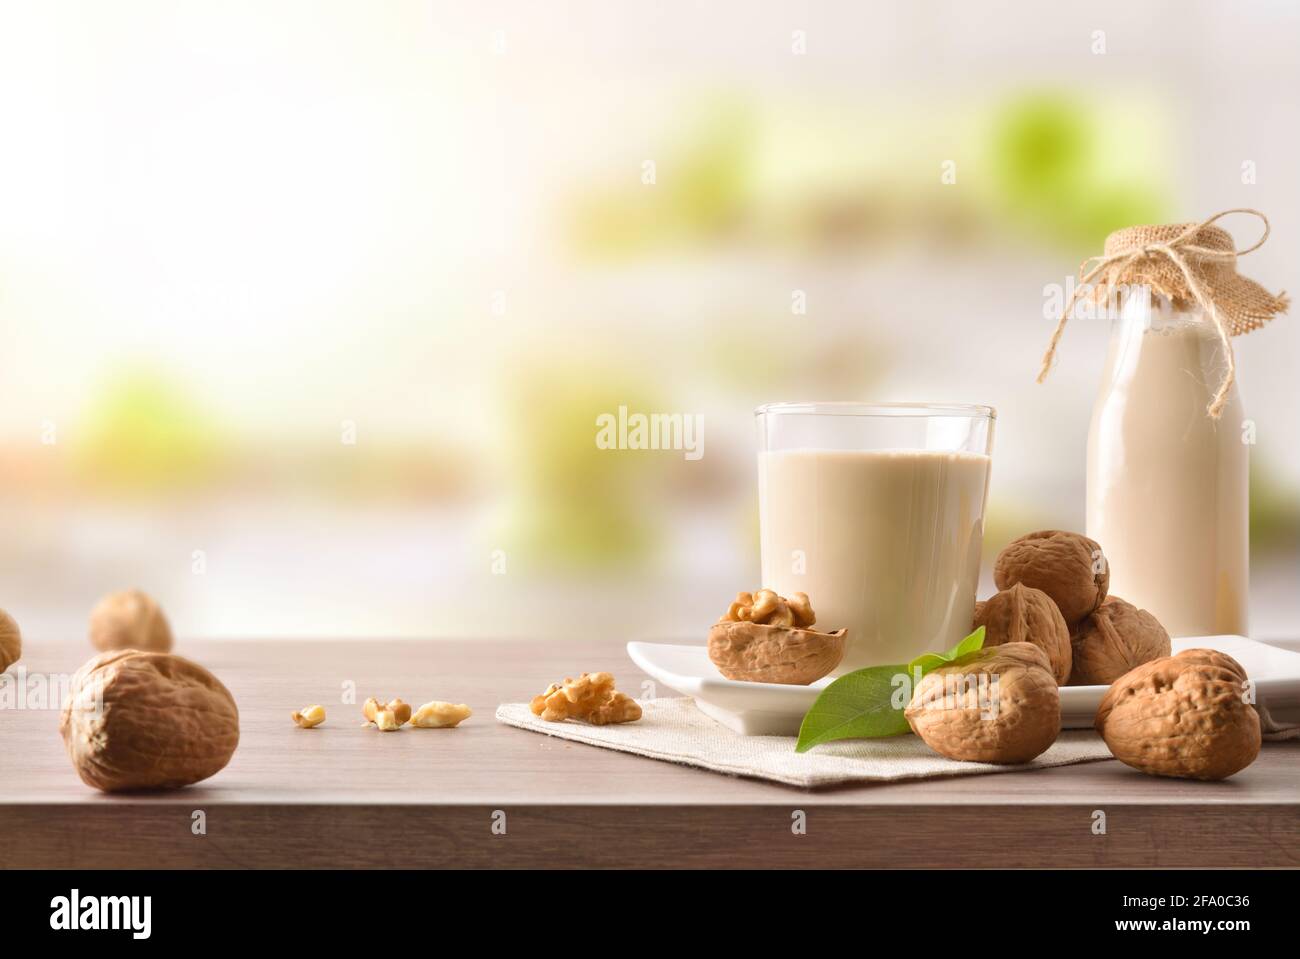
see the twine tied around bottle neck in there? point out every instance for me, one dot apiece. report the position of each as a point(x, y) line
point(1187, 263)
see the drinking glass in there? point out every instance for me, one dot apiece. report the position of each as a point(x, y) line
point(876, 512)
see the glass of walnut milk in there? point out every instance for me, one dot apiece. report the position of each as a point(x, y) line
point(877, 513)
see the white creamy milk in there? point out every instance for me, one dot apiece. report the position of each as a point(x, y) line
point(1168, 485)
point(886, 543)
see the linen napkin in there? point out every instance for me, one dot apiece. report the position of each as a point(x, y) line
point(674, 730)
point(1278, 724)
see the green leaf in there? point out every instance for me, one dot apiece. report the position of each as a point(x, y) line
point(968, 645)
point(861, 704)
point(856, 706)
point(929, 661)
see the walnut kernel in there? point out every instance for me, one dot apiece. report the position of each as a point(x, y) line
point(591, 697)
point(440, 715)
point(618, 708)
point(766, 608)
point(372, 708)
point(308, 716)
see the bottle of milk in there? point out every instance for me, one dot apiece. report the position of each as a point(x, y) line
point(1168, 448)
point(1167, 483)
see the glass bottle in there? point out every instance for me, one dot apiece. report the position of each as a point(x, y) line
point(1168, 493)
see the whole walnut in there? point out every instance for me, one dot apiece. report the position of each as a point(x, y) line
point(11, 641)
point(129, 620)
point(1113, 640)
point(141, 720)
point(1184, 716)
point(998, 705)
point(1023, 614)
point(1068, 567)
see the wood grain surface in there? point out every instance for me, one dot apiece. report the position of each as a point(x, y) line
point(343, 796)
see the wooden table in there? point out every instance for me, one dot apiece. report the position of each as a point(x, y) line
point(341, 795)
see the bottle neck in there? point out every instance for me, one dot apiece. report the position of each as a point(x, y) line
point(1141, 311)
point(1152, 339)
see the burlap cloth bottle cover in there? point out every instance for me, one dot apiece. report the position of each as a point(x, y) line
point(1188, 263)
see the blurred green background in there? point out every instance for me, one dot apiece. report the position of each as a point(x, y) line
point(309, 309)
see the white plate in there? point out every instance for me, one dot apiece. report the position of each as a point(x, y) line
point(771, 709)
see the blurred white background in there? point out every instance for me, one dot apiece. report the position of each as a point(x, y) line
point(308, 308)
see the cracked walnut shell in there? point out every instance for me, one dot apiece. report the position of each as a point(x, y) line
point(1022, 614)
point(758, 653)
point(130, 620)
point(1184, 716)
point(11, 641)
point(1115, 639)
point(143, 720)
point(1068, 567)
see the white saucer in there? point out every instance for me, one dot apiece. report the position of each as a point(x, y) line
point(771, 709)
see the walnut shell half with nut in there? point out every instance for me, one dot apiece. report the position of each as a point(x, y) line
point(1115, 639)
point(1023, 614)
point(757, 653)
point(1068, 567)
point(998, 705)
point(1184, 716)
point(141, 720)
